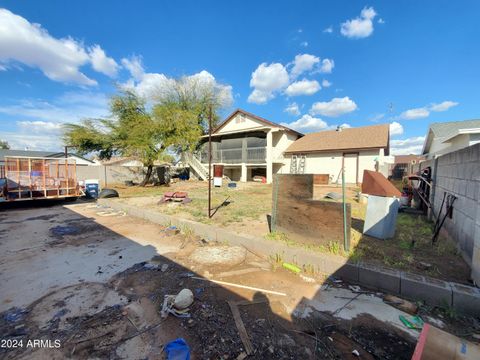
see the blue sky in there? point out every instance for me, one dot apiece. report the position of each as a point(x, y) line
point(311, 64)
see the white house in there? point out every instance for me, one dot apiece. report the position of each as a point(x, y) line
point(246, 145)
point(446, 137)
point(79, 160)
point(326, 152)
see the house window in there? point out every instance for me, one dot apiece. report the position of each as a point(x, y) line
point(240, 119)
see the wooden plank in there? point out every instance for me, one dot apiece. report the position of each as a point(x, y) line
point(44, 178)
point(321, 179)
point(241, 328)
point(238, 272)
point(304, 220)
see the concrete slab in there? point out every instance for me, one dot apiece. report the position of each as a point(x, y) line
point(338, 301)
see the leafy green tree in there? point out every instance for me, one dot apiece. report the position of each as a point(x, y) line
point(130, 131)
point(182, 110)
point(4, 145)
point(179, 117)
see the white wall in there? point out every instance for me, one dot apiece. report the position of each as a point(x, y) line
point(281, 141)
point(461, 141)
point(239, 123)
point(331, 163)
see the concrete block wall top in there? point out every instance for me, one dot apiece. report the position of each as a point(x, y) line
point(432, 291)
point(465, 299)
point(379, 278)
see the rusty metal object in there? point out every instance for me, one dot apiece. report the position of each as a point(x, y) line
point(374, 183)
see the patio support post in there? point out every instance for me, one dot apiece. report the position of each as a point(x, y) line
point(269, 157)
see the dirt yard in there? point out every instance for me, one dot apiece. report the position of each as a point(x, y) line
point(249, 205)
point(95, 280)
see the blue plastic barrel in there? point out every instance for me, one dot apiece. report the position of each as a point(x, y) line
point(92, 189)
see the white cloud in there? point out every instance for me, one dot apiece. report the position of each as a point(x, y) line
point(307, 123)
point(304, 43)
point(292, 109)
point(327, 66)
point(102, 63)
point(423, 112)
point(302, 63)
point(326, 83)
point(270, 79)
point(266, 80)
point(396, 128)
point(360, 27)
point(39, 123)
point(152, 85)
point(328, 30)
point(377, 117)
point(443, 106)
point(407, 146)
point(40, 126)
point(59, 59)
point(303, 87)
point(334, 107)
point(381, 21)
point(134, 66)
point(417, 113)
point(70, 107)
point(22, 141)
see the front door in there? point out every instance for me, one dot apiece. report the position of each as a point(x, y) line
point(350, 162)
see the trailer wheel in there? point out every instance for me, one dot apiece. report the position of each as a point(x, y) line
point(108, 193)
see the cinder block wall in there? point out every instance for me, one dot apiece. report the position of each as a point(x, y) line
point(458, 173)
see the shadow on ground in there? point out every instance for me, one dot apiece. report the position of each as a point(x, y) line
point(99, 293)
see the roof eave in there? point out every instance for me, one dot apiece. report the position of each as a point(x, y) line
point(334, 150)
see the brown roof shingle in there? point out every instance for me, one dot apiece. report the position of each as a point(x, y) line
point(366, 137)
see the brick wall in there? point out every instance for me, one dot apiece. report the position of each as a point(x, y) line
point(458, 173)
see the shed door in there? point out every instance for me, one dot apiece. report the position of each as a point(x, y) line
point(350, 162)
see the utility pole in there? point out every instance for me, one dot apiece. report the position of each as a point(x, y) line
point(210, 162)
point(345, 235)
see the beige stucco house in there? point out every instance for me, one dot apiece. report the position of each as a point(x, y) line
point(325, 152)
point(246, 145)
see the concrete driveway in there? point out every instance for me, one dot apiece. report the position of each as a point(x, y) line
point(47, 248)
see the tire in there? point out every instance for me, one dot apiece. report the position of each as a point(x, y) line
point(108, 193)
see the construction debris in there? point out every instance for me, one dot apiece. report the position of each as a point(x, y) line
point(241, 286)
point(436, 344)
point(177, 305)
point(241, 328)
point(177, 350)
point(292, 267)
point(183, 300)
point(178, 196)
point(401, 304)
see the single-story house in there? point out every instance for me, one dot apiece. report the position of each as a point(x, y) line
point(446, 137)
point(42, 154)
point(403, 165)
point(326, 152)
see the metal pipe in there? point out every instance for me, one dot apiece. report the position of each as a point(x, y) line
point(210, 162)
point(345, 242)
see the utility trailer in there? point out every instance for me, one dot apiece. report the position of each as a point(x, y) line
point(35, 178)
